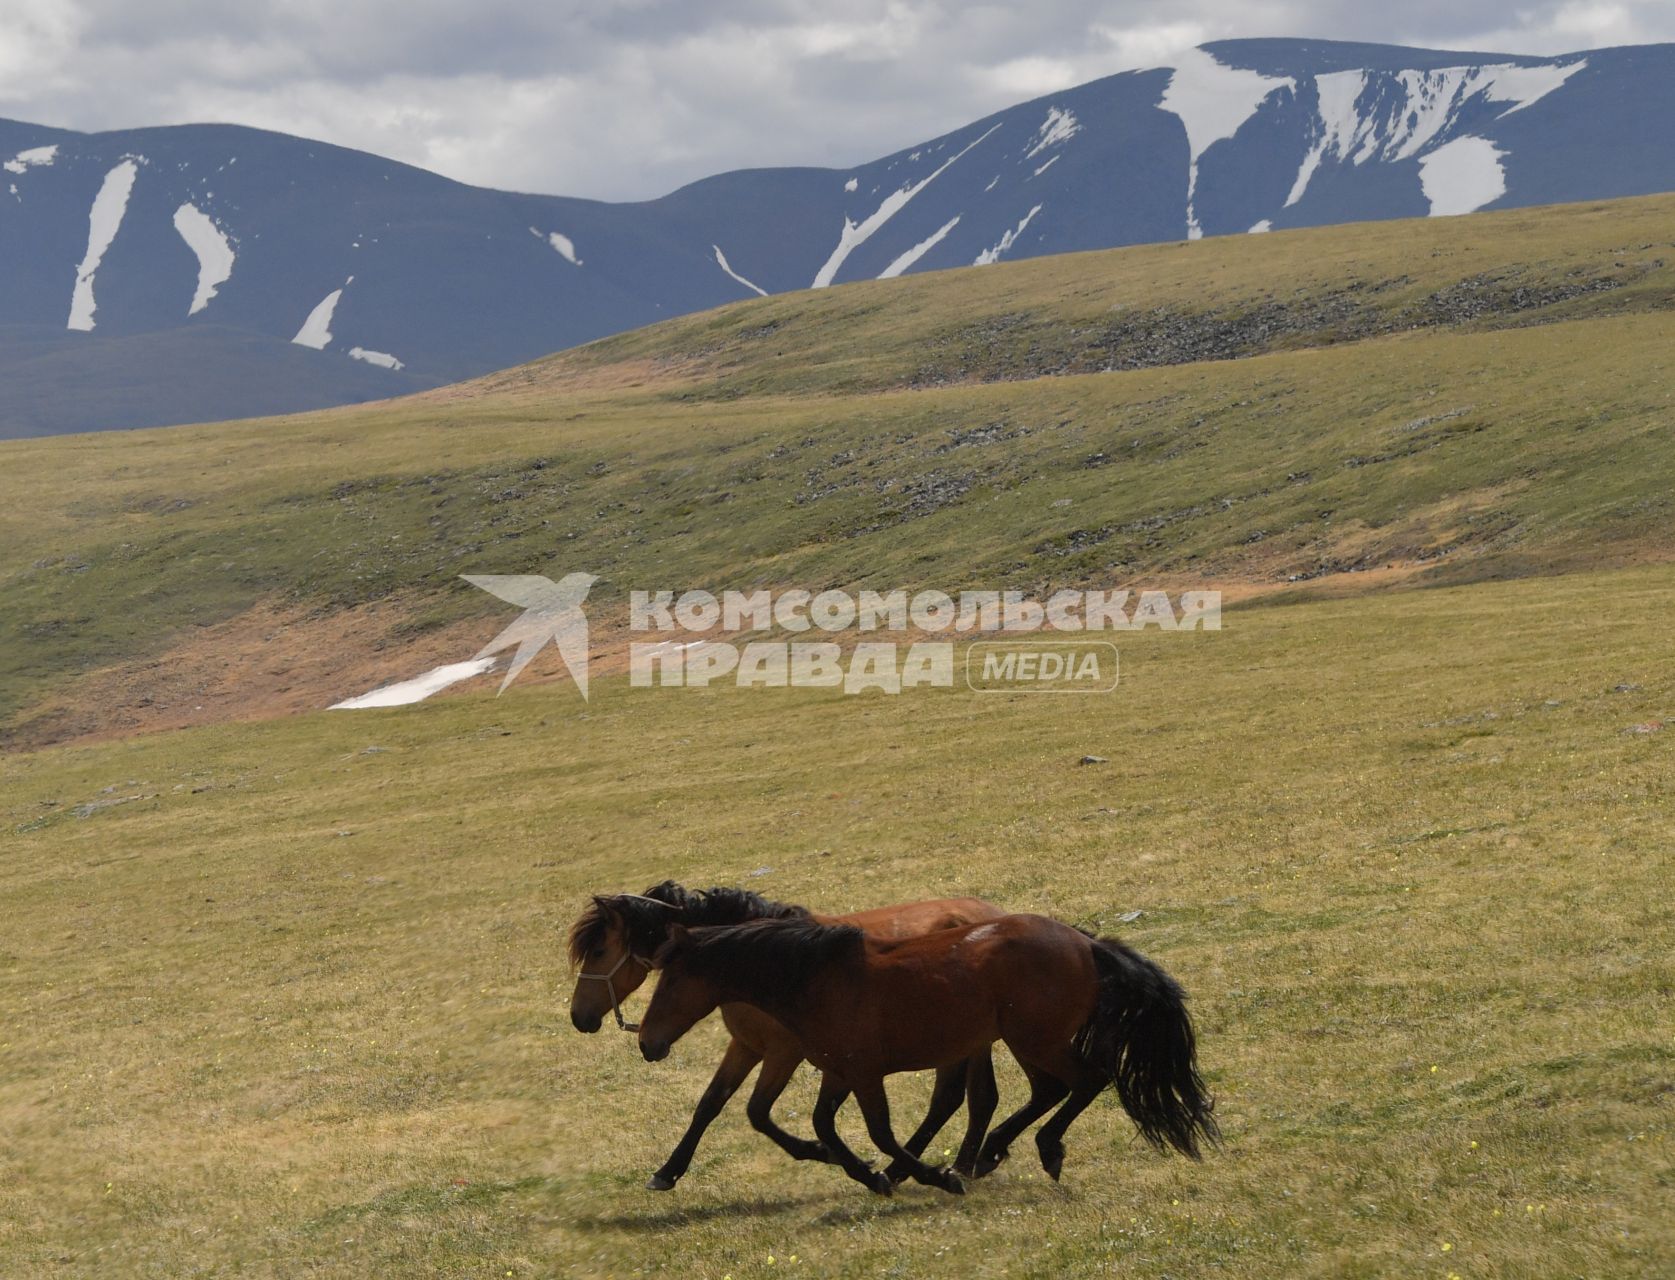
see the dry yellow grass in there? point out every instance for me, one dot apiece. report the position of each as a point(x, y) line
point(297, 1008)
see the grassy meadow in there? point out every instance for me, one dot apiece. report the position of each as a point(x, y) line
point(282, 991)
point(288, 999)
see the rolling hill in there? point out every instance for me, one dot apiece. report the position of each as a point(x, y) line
point(1421, 401)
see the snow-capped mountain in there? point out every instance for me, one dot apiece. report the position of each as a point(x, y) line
point(172, 274)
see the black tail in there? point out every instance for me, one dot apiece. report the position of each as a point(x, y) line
point(1141, 1037)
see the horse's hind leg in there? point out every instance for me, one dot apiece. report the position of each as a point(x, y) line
point(736, 1064)
point(832, 1095)
point(1050, 1141)
point(981, 1097)
point(1045, 1092)
point(875, 1106)
point(945, 1100)
point(777, 1070)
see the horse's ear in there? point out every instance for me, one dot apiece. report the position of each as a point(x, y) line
point(678, 937)
point(606, 905)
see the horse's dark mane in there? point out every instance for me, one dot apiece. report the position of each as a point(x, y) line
point(647, 924)
point(769, 958)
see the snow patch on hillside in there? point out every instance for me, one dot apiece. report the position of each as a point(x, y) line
point(993, 253)
point(383, 359)
point(906, 260)
point(316, 331)
point(407, 692)
point(1059, 126)
point(1212, 101)
point(1257, 228)
point(856, 234)
point(851, 184)
point(214, 253)
point(561, 244)
point(1338, 93)
point(103, 219)
point(1395, 115)
point(34, 156)
point(1043, 169)
point(1462, 175)
point(721, 261)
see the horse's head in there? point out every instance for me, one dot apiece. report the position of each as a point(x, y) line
point(611, 945)
point(682, 999)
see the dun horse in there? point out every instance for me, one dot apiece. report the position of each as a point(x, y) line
point(612, 944)
point(1079, 1013)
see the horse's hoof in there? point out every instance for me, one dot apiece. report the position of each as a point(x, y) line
point(660, 1182)
point(952, 1183)
point(988, 1162)
point(1054, 1165)
point(897, 1174)
point(880, 1183)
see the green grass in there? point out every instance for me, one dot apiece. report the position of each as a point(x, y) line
point(1465, 395)
point(275, 1003)
point(298, 1007)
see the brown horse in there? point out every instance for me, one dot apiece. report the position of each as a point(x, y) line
point(612, 944)
point(1078, 1012)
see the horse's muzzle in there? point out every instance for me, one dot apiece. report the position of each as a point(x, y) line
point(654, 1050)
point(585, 1021)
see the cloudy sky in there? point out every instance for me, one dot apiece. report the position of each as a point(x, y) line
point(626, 99)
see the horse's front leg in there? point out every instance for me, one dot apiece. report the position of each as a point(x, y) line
point(777, 1069)
point(875, 1106)
point(735, 1065)
point(832, 1094)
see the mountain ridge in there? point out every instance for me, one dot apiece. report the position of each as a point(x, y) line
point(417, 279)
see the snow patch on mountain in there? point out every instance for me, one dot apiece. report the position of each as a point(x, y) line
point(1043, 169)
point(383, 359)
point(856, 234)
point(1525, 85)
point(1462, 175)
point(1006, 241)
point(1395, 115)
point(1059, 126)
point(721, 261)
point(561, 243)
point(32, 157)
point(906, 260)
point(1212, 101)
point(214, 252)
point(316, 331)
point(851, 184)
point(103, 219)
point(1257, 228)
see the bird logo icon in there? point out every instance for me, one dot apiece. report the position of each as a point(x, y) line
point(551, 611)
